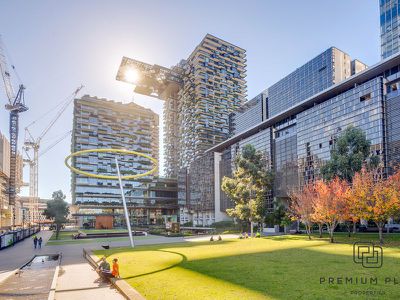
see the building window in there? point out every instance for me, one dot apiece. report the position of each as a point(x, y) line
point(365, 97)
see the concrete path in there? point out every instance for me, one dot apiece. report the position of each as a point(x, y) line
point(77, 279)
point(15, 256)
point(80, 281)
point(33, 282)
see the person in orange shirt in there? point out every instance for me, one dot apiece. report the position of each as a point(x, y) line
point(115, 268)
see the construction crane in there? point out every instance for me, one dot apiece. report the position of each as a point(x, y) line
point(34, 144)
point(16, 105)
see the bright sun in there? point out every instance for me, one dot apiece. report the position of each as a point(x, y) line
point(131, 75)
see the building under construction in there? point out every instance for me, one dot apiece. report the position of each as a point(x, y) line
point(6, 210)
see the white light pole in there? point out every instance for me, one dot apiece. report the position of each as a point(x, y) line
point(128, 223)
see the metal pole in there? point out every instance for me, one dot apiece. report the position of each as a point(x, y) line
point(128, 223)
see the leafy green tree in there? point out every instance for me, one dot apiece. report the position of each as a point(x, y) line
point(248, 186)
point(350, 152)
point(57, 210)
point(279, 214)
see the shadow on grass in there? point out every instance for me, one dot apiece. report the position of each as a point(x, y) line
point(391, 239)
point(184, 260)
point(158, 247)
point(295, 273)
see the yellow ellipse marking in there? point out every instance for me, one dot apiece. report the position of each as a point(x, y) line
point(110, 150)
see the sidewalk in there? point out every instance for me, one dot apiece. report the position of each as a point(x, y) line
point(76, 280)
point(15, 256)
point(81, 281)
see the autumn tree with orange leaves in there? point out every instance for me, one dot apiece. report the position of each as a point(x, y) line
point(330, 204)
point(302, 206)
point(374, 198)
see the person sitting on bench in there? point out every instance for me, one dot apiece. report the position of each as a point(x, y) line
point(104, 268)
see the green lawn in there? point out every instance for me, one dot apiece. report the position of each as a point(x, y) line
point(103, 230)
point(63, 235)
point(284, 267)
point(97, 240)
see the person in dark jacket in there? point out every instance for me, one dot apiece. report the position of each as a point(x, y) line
point(40, 240)
point(35, 241)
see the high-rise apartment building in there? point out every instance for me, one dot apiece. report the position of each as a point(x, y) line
point(213, 87)
point(99, 123)
point(390, 22)
point(199, 93)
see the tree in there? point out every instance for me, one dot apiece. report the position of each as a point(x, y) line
point(375, 198)
point(279, 215)
point(361, 190)
point(383, 204)
point(330, 205)
point(302, 206)
point(350, 152)
point(57, 210)
point(248, 186)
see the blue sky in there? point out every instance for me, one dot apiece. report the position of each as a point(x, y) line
point(58, 45)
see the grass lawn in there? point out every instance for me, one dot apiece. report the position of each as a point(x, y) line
point(67, 235)
point(282, 267)
point(63, 235)
point(103, 230)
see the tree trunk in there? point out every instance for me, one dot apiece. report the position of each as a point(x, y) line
point(251, 228)
point(354, 227)
point(308, 229)
point(320, 229)
point(380, 234)
point(331, 236)
point(348, 229)
point(57, 230)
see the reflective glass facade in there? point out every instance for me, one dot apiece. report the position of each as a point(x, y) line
point(328, 68)
point(285, 156)
point(318, 127)
point(301, 139)
point(389, 21)
point(250, 114)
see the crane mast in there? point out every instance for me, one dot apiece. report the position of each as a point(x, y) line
point(16, 105)
point(34, 144)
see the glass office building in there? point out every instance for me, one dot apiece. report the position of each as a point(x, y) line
point(389, 22)
point(249, 114)
point(300, 138)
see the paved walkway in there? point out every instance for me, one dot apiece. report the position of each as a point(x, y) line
point(77, 279)
point(33, 282)
point(15, 256)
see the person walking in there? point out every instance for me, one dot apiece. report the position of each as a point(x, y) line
point(35, 241)
point(40, 240)
point(115, 268)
